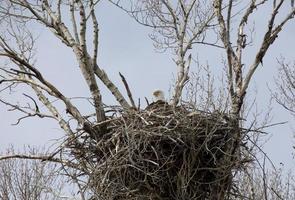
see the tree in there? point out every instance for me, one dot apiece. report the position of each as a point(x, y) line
point(31, 179)
point(257, 183)
point(285, 84)
point(127, 154)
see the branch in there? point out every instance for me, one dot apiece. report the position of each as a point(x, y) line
point(128, 90)
point(173, 15)
point(225, 37)
point(111, 86)
point(73, 19)
point(25, 66)
point(82, 56)
point(85, 61)
point(95, 33)
point(22, 109)
point(83, 26)
point(42, 158)
point(269, 38)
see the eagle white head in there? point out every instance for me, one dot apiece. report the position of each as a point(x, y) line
point(158, 95)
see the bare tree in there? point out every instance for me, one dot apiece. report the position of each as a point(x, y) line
point(285, 82)
point(238, 83)
point(168, 150)
point(30, 179)
point(181, 24)
point(259, 182)
point(177, 26)
point(74, 36)
point(172, 20)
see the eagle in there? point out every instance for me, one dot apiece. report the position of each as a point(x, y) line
point(158, 95)
point(158, 100)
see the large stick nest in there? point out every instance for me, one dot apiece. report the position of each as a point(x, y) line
point(164, 153)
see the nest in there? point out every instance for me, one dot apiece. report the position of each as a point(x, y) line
point(164, 153)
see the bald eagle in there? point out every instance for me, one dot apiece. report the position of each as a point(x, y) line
point(158, 95)
point(158, 100)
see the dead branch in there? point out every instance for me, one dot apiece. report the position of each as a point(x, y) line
point(128, 90)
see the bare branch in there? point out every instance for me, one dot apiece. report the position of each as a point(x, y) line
point(73, 19)
point(41, 158)
point(128, 90)
point(269, 38)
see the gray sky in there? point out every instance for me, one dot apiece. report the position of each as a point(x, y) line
point(126, 48)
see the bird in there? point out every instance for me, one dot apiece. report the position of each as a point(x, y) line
point(158, 95)
point(158, 100)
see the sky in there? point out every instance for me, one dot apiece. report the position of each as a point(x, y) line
point(124, 46)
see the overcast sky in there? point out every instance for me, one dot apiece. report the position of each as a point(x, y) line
point(125, 47)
